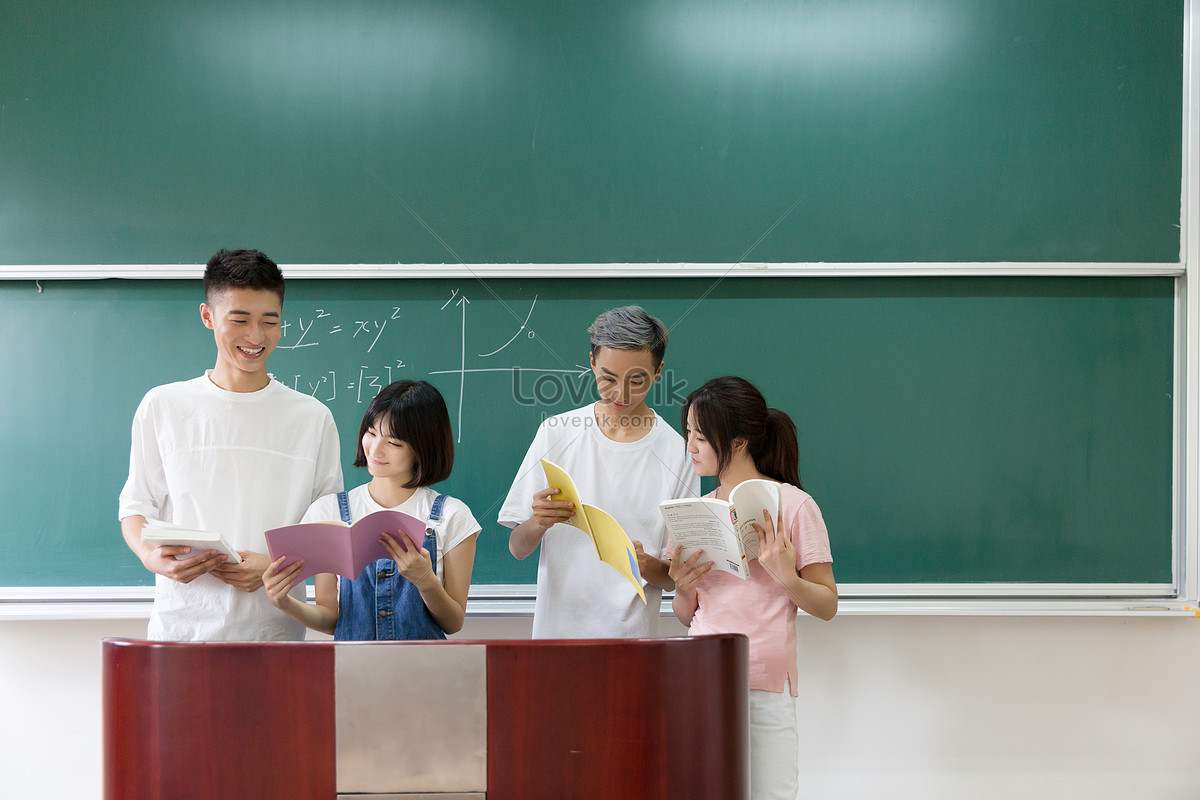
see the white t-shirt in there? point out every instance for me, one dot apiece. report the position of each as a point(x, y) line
point(579, 596)
point(456, 526)
point(239, 463)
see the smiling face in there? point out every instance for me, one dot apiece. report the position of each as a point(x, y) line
point(705, 461)
point(386, 456)
point(246, 326)
point(624, 378)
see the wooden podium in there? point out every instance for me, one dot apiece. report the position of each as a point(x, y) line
point(611, 719)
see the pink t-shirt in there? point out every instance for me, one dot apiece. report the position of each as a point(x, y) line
point(759, 607)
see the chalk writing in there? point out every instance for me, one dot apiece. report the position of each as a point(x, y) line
point(374, 353)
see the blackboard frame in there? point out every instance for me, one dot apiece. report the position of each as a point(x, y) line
point(655, 270)
point(502, 600)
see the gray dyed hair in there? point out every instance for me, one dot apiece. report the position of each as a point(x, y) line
point(629, 328)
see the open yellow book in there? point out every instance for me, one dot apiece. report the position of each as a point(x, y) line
point(612, 543)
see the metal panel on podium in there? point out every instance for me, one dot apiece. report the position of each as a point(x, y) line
point(653, 718)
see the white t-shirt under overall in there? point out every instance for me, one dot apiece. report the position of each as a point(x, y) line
point(578, 596)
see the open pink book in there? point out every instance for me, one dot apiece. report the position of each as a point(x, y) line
point(340, 548)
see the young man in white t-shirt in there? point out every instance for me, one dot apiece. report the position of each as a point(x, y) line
point(624, 459)
point(232, 452)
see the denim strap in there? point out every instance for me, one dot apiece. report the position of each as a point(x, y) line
point(344, 506)
point(435, 513)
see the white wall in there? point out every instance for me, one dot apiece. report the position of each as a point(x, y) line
point(927, 708)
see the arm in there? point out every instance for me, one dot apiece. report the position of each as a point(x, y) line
point(321, 616)
point(526, 537)
point(447, 604)
point(812, 589)
point(819, 589)
point(146, 493)
point(687, 576)
point(655, 571)
point(161, 560)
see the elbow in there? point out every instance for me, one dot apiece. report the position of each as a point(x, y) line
point(515, 545)
point(824, 609)
point(830, 611)
point(683, 612)
point(324, 623)
point(455, 625)
point(519, 546)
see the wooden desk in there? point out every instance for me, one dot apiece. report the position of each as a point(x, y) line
point(655, 718)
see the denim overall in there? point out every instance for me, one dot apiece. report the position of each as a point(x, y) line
point(381, 603)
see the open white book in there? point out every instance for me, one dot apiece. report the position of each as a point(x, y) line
point(724, 530)
point(159, 534)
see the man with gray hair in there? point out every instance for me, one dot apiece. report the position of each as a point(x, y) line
point(625, 459)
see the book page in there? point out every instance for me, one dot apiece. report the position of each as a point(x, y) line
point(614, 546)
point(748, 500)
point(557, 477)
point(704, 524)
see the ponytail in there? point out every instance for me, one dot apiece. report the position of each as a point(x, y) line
point(778, 455)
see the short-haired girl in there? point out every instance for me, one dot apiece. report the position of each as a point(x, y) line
point(405, 442)
point(733, 435)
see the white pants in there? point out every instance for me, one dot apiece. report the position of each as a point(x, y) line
point(774, 746)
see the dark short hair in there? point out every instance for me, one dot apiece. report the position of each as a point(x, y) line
point(241, 269)
point(415, 413)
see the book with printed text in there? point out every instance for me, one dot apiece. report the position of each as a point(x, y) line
point(724, 530)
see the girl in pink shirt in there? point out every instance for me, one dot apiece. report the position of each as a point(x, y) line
point(733, 435)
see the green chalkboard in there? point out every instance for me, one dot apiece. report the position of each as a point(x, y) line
point(578, 131)
point(958, 430)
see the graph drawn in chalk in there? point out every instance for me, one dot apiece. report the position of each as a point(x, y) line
point(461, 301)
point(518, 333)
point(359, 376)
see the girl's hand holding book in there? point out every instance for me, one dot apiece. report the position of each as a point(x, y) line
point(686, 574)
point(412, 562)
point(279, 584)
point(776, 554)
